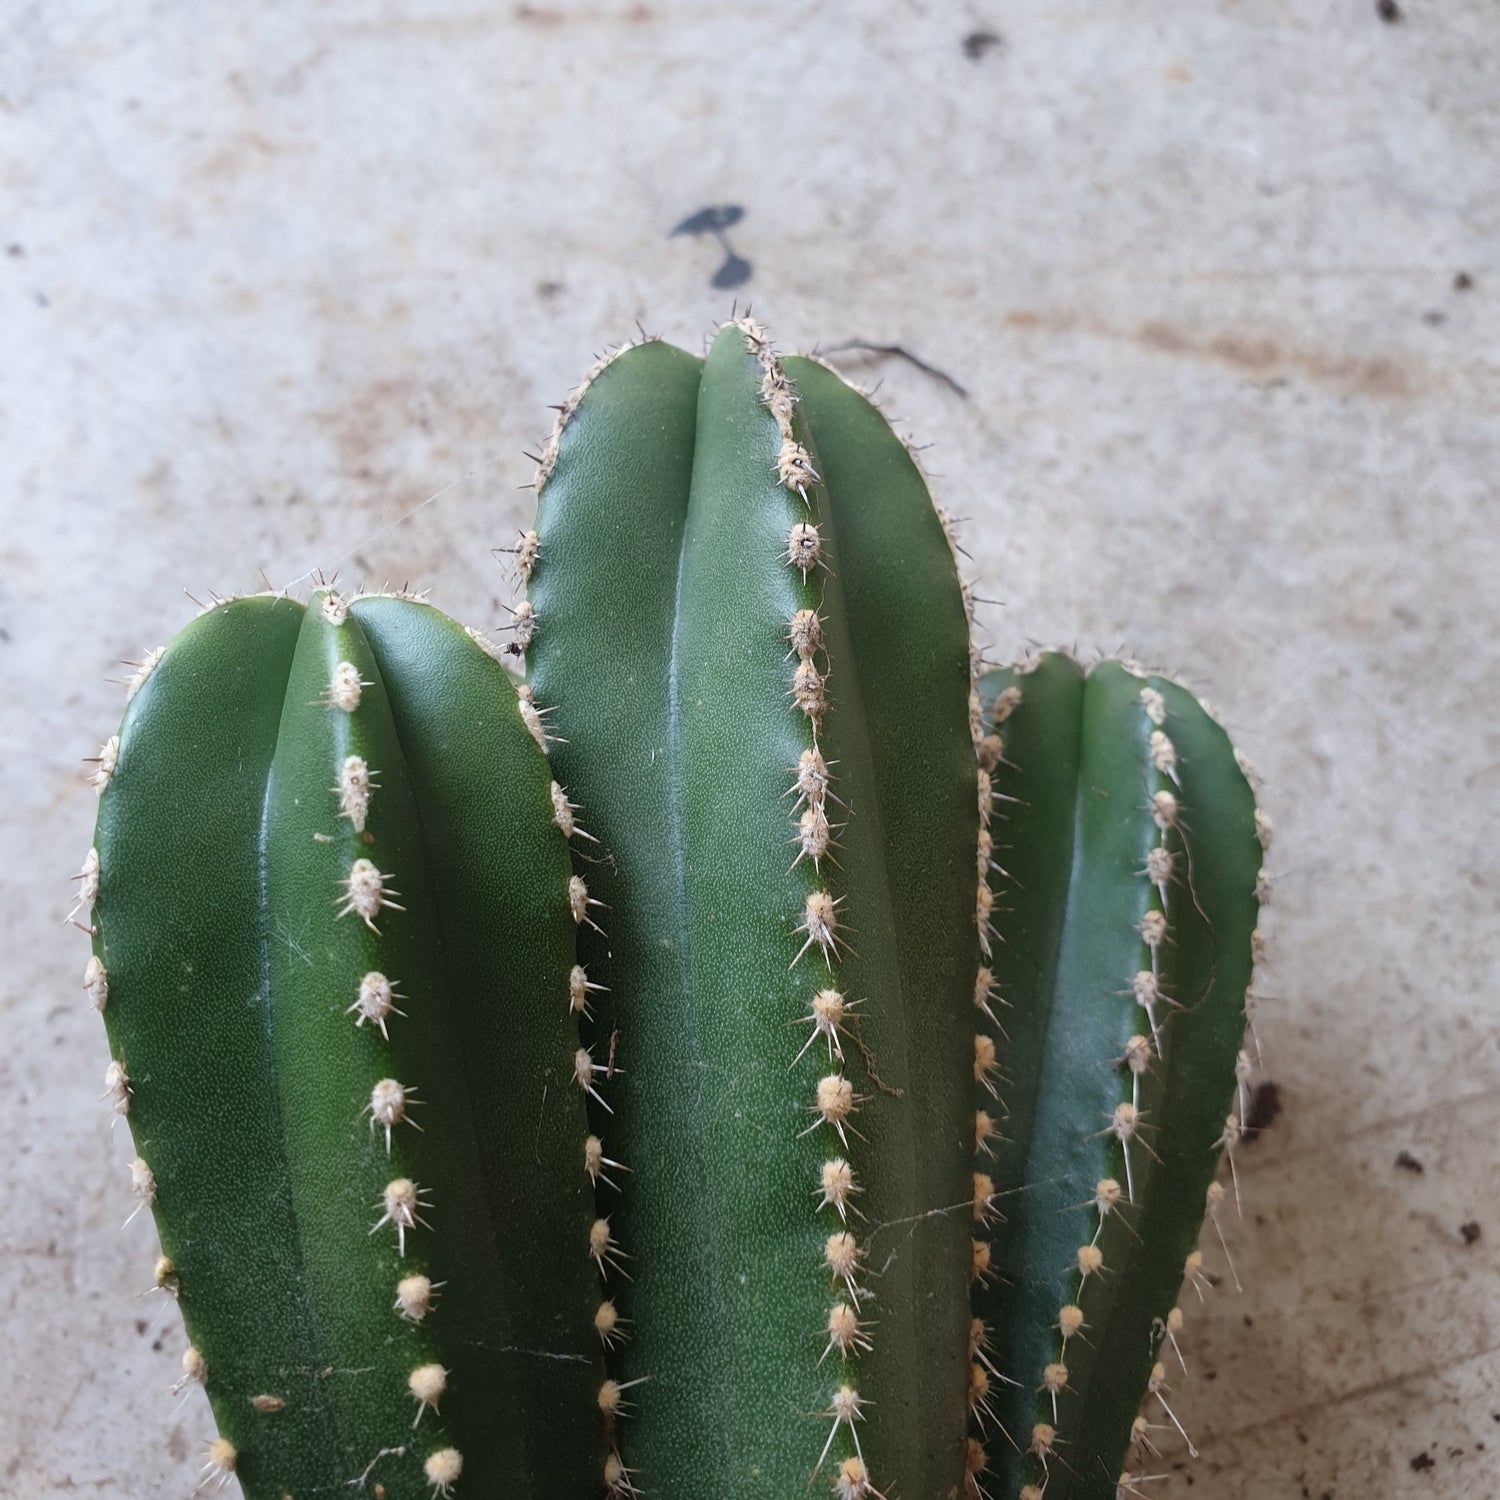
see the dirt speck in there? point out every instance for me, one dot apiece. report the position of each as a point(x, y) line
point(1389, 12)
point(1471, 1232)
point(1462, 282)
point(1423, 1461)
point(980, 43)
point(1265, 1105)
point(1409, 1163)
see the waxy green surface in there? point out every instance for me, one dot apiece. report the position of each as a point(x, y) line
point(231, 972)
point(662, 598)
point(1073, 826)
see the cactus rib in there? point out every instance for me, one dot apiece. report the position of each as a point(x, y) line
point(337, 1017)
point(799, 1299)
point(1129, 890)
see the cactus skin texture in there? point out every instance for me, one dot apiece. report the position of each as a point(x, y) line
point(665, 586)
point(876, 1048)
point(1095, 776)
point(234, 948)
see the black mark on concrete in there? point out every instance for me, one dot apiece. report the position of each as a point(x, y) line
point(899, 351)
point(1265, 1105)
point(714, 220)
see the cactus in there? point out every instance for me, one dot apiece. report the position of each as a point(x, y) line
point(1131, 851)
point(878, 1235)
point(333, 946)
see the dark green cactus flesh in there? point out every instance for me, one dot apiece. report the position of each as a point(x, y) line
point(1126, 858)
point(790, 958)
point(344, 1044)
point(843, 1115)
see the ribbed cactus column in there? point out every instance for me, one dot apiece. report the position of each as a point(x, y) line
point(745, 612)
point(333, 948)
point(1125, 869)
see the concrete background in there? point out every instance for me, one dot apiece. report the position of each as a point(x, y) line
point(287, 286)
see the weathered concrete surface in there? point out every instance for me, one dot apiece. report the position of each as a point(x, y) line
point(287, 287)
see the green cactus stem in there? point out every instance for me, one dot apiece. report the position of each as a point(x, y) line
point(839, 1114)
point(1124, 860)
point(334, 948)
point(747, 615)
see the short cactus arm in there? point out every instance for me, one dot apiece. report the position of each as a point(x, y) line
point(1206, 965)
point(1127, 836)
point(402, 1157)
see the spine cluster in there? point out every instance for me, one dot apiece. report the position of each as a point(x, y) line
point(847, 1333)
point(365, 892)
point(588, 1072)
point(988, 749)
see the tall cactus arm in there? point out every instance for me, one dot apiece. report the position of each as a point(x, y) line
point(910, 646)
point(1128, 839)
point(346, 1052)
point(787, 1197)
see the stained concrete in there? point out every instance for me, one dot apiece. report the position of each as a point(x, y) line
point(288, 287)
